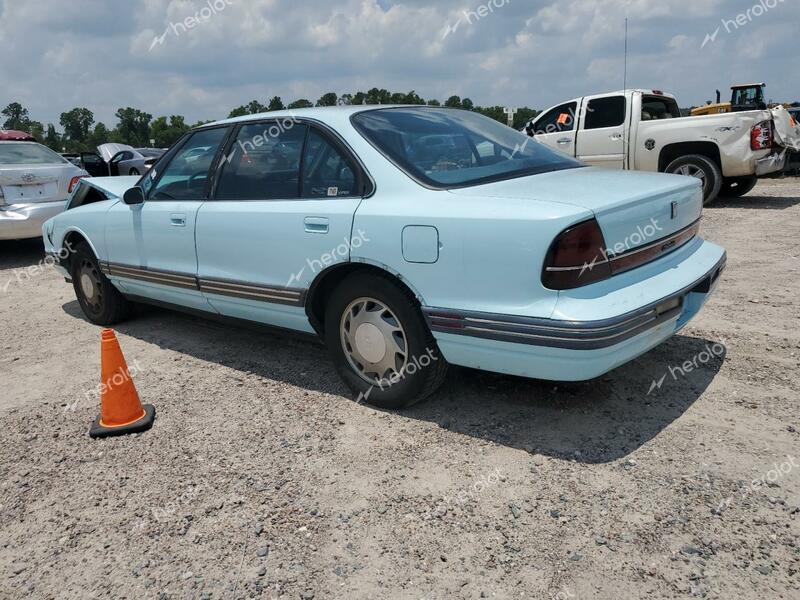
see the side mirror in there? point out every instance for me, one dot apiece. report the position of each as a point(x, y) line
point(133, 196)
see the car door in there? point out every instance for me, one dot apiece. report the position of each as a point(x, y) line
point(151, 248)
point(601, 138)
point(556, 128)
point(282, 212)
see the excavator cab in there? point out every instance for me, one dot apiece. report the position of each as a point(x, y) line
point(748, 97)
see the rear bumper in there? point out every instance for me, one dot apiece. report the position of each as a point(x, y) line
point(774, 163)
point(578, 349)
point(23, 221)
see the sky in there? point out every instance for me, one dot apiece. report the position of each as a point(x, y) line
point(202, 58)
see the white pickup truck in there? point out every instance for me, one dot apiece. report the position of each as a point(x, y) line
point(643, 130)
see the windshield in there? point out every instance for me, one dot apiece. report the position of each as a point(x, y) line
point(445, 148)
point(28, 153)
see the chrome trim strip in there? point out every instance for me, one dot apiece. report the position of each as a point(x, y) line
point(220, 287)
point(575, 335)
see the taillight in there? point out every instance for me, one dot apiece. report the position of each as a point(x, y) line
point(577, 257)
point(761, 136)
point(74, 182)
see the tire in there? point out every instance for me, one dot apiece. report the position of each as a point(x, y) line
point(100, 301)
point(133, 172)
point(369, 317)
point(735, 187)
point(705, 169)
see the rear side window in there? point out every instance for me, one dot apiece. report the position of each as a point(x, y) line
point(557, 120)
point(28, 153)
point(263, 163)
point(326, 173)
point(655, 108)
point(605, 112)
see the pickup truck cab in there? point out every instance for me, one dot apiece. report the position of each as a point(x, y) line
point(643, 130)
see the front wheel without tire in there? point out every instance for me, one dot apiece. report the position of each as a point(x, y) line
point(735, 187)
point(100, 301)
point(704, 169)
point(380, 344)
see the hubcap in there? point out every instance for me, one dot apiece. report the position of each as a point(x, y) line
point(373, 340)
point(92, 289)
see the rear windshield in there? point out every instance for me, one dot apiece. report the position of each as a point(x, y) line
point(28, 153)
point(444, 148)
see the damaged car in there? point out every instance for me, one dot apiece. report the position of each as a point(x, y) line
point(407, 238)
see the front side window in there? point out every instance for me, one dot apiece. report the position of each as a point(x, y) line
point(263, 163)
point(445, 148)
point(185, 176)
point(605, 112)
point(326, 173)
point(28, 153)
point(557, 120)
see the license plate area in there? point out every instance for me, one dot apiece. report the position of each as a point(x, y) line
point(29, 193)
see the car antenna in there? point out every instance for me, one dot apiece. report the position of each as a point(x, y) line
point(625, 91)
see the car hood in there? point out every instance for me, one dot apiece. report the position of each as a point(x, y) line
point(625, 203)
point(107, 151)
point(115, 186)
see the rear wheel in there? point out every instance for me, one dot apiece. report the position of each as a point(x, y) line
point(704, 169)
point(734, 187)
point(100, 301)
point(380, 343)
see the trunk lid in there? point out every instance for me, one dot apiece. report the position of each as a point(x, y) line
point(633, 208)
point(25, 184)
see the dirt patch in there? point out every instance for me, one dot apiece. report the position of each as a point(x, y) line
point(261, 478)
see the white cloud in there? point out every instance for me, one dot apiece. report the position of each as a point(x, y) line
point(535, 53)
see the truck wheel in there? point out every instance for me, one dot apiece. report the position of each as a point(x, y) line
point(705, 169)
point(735, 187)
point(380, 344)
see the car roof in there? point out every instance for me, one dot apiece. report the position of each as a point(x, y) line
point(321, 113)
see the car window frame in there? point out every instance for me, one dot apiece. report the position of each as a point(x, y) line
point(365, 184)
point(573, 112)
point(169, 155)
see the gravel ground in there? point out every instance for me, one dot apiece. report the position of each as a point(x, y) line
point(261, 477)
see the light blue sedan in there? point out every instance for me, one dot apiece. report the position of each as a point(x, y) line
point(408, 238)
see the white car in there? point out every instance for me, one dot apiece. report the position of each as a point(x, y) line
point(34, 185)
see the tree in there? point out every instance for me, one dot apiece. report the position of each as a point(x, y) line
point(51, 139)
point(36, 129)
point(434, 102)
point(99, 136)
point(379, 96)
point(167, 133)
point(329, 99)
point(133, 127)
point(453, 102)
point(346, 99)
point(16, 116)
point(467, 104)
point(413, 98)
point(254, 107)
point(76, 123)
point(275, 103)
point(302, 103)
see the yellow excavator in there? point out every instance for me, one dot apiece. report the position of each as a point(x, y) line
point(747, 96)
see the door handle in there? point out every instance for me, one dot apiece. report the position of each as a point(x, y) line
point(177, 220)
point(616, 136)
point(563, 141)
point(316, 224)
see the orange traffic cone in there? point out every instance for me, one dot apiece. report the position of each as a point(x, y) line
point(120, 409)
